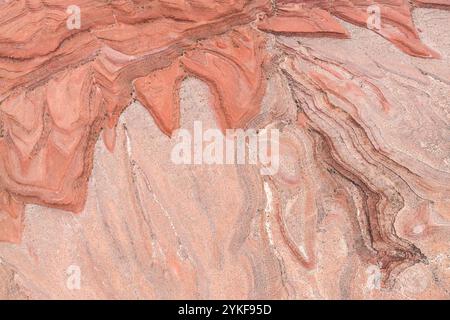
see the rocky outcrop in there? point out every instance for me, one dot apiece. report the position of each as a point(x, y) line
point(364, 144)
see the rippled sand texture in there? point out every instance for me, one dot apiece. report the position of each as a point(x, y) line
point(360, 207)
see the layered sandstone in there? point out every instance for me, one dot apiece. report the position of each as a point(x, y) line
point(362, 192)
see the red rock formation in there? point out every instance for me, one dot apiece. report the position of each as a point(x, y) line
point(61, 87)
point(81, 81)
point(232, 65)
point(11, 218)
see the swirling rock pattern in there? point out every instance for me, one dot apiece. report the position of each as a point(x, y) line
point(358, 209)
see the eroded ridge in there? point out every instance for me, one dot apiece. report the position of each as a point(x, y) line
point(61, 88)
